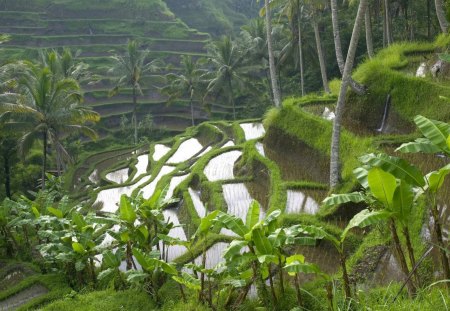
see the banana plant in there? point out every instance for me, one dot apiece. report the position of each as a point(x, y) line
point(254, 236)
point(154, 271)
point(361, 220)
point(111, 274)
point(436, 140)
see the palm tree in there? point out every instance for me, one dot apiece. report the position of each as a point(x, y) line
point(441, 15)
point(188, 82)
point(369, 37)
point(335, 140)
point(129, 70)
point(338, 46)
point(229, 65)
point(47, 110)
point(273, 74)
point(315, 7)
point(292, 9)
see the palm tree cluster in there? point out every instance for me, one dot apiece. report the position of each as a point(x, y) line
point(42, 102)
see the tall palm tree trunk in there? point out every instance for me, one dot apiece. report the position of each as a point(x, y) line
point(232, 98)
point(440, 12)
point(335, 174)
point(7, 170)
point(134, 117)
point(338, 46)
point(388, 22)
point(44, 159)
point(300, 49)
point(323, 69)
point(191, 101)
point(273, 74)
point(369, 37)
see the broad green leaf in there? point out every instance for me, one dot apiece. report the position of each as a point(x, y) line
point(382, 185)
point(363, 219)
point(126, 211)
point(35, 211)
point(55, 212)
point(361, 175)
point(124, 236)
point(297, 257)
point(142, 259)
point(448, 142)
point(188, 280)
point(78, 220)
point(232, 223)
point(262, 243)
point(419, 145)
point(298, 267)
point(268, 259)
point(437, 178)
point(234, 249)
point(106, 274)
point(320, 233)
point(143, 231)
point(78, 248)
point(395, 166)
point(252, 214)
point(166, 267)
point(136, 277)
point(206, 223)
point(436, 131)
point(337, 199)
point(403, 201)
point(110, 260)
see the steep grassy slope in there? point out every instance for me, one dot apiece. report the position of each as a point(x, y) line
point(99, 29)
point(218, 16)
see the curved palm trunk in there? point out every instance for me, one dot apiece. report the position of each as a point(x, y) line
point(273, 74)
point(440, 12)
point(300, 50)
point(369, 38)
point(323, 69)
point(338, 47)
point(44, 160)
point(134, 117)
point(335, 174)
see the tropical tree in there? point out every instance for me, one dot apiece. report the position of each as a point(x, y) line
point(338, 46)
point(47, 109)
point(272, 69)
point(229, 69)
point(441, 15)
point(346, 77)
point(315, 8)
point(189, 81)
point(129, 71)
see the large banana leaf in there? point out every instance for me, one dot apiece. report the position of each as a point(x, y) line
point(437, 132)
point(126, 211)
point(419, 145)
point(188, 280)
point(234, 249)
point(252, 214)
point(319, 233)
point(232, 223)
point(337, 199)
point(363, 219)
point(403, 201)
point(382, 185)
point(111, 260)
point(262, 243)
point(396, 166)
point(206, 223)
point(436, 179)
